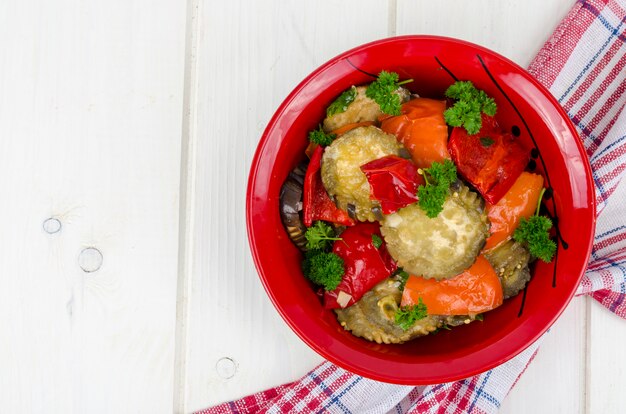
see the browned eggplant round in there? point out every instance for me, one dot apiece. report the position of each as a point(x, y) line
point(291, 205)
point(373, 316)
point(510, 261)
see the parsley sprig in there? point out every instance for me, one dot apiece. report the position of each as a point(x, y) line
point(324, 269)
point(320, 137)
point(320, 236)
point(534, 231)
point(342, 102)
point(470, 103)
point(406, 316)
point(377, 241)
point(438, 179)
point(383, 92)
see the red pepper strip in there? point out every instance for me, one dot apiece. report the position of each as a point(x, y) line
point(490, 160)
point(476, 290)
point(393, 182)
point(364, 264)
point(317, 205)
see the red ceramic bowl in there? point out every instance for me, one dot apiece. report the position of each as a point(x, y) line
point(523, 105)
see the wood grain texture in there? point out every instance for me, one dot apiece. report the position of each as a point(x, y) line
point(249, 57)
point(606, 334)
point(95, 100)
point(90, 118)
point(606, 361)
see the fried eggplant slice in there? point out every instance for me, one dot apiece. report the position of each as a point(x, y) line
point(510, 260)
point(440, 247)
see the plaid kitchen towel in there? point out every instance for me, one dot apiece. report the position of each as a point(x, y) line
point(583, 66)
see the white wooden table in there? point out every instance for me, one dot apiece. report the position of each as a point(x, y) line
point(126, 133)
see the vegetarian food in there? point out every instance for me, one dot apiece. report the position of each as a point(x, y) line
point(341, 168)
point(414, 214)
point(439, 247)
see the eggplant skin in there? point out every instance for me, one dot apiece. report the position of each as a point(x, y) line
point(373, 317)
point(510, 260)
point(291, 205)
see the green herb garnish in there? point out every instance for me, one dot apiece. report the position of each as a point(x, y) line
point(402, 276)
point(324, 269)
point(341, 104)
point(320, 137)
point(406, 316)
point(535, 232)
point(486, 141)
point(444, 326)
point(438, 179)
point(383, 92)
point(377, 241)
point(320, 236)
point(470, 103)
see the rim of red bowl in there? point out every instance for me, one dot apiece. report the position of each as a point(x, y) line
point(462, 373)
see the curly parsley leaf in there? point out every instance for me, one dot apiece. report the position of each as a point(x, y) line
point(442, 173)
point(486, 141)
point(320, 236)
point(341, 104)
point(383, 92)
point(377, 241)
point(406, 316)
point(438, 179)
point(320, 137)
point(431, 199)
point(535, 232)
point(324, 269)
point(470, 103)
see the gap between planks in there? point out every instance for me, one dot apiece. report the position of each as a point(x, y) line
point(392, 18)
point(186, 212)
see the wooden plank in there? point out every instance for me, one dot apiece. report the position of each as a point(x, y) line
point(249, 57)
point(606, 361)
point(90, 119)
point(554, 382)
point(517, 30)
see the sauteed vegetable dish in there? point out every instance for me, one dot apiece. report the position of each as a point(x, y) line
point(414, 214)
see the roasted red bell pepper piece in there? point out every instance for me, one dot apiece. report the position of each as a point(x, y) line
point(490, 160)
point(393, 182)
point(365, 265)
point(317, 205)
